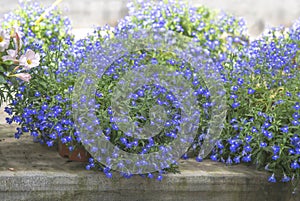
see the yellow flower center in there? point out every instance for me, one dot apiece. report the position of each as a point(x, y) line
point(1, 39)
point(29, 61)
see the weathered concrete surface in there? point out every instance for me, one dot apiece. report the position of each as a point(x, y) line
point(30, 171)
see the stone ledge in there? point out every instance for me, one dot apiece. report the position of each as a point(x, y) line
point(30, 171)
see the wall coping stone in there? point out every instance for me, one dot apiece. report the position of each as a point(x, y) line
point(30, 171)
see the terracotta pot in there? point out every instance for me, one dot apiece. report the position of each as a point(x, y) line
point(79, 154)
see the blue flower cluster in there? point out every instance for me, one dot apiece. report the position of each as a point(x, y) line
point(41, 26)
point(261, 78)
point(213, 31)
point(38, 110)
point(263, 124)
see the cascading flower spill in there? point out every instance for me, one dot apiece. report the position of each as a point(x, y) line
point(261, 79)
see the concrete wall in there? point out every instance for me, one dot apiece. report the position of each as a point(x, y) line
point(84, 13)
point(258, 13)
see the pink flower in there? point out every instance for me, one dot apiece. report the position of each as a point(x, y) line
point(17, 36)
point(23, 76)
point(11, 55)
point(17, 31)
point(30, 60)
point(4, 40)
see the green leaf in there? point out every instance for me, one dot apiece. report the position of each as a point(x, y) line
point(2, 79)
point(8, 63)
point(2, 69)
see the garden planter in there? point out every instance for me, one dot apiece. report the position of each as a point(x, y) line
point(79, 154)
